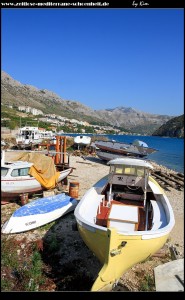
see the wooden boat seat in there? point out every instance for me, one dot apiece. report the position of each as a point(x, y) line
point(159, 216)
point(123, 217)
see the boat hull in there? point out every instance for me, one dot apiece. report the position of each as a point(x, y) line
point(124, 149)
point(12, 188)
point(104, 155)
point(82, 140)
point(122, 233)
point(117, 252)
point(39, 212)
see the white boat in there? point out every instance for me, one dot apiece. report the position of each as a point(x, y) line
point(82, 140)
point(124, 219)
point(3, 143)
point(29, 136)
point(137, 148)
point(19, 177)
point(39, 212)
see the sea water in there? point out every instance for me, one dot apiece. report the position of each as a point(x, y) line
point(170, 150)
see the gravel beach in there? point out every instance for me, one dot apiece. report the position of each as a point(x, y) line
point(85, 267)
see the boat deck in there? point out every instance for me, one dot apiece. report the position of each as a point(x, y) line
point(104, 217)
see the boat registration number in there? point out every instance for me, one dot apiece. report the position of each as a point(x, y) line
point(30, 223)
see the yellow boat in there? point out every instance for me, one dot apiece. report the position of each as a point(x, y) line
point(123, 219)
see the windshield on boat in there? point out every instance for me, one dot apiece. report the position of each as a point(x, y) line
point(4, 171)
point(127, 170)
point(20, 172)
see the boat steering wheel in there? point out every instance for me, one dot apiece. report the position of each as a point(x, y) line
point(130, 183)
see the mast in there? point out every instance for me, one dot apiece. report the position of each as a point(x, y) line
point(146, 174)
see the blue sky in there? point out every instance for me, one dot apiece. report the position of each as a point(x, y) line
point(103, 58)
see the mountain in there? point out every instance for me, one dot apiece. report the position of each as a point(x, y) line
point(172, 128)
point(15, 93)
point(132, 119)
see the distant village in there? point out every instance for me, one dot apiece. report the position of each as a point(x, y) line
point(57, 121)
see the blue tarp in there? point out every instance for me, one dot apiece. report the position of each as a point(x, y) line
point(44, 205)
point(139, 143)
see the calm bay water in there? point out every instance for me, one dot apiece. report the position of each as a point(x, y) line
point(171, 150)
point(170, 154)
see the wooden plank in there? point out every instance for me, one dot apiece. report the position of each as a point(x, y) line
point(166, 181)
point(171, 177)
point(177, 176)
point(82, 162)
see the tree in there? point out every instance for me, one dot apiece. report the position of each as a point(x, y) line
point(12, 125)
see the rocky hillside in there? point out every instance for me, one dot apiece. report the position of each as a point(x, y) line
point(16, 93)
point(133, 119)
point(172, 128)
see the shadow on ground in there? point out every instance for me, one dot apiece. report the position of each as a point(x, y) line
point(70, 264)
point(95, 159)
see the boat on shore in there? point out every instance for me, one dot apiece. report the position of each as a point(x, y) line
point(28, 136)
point(135, 149)
point(39, 212)
point(124, 218)
point(30, 173)
point(82, 140)
point(107, 155)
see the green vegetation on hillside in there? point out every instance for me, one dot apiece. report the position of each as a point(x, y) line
point(10, 118)
point(172, 128)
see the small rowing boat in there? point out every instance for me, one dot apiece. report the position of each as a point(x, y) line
point(124, 218)
point(39, 212)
